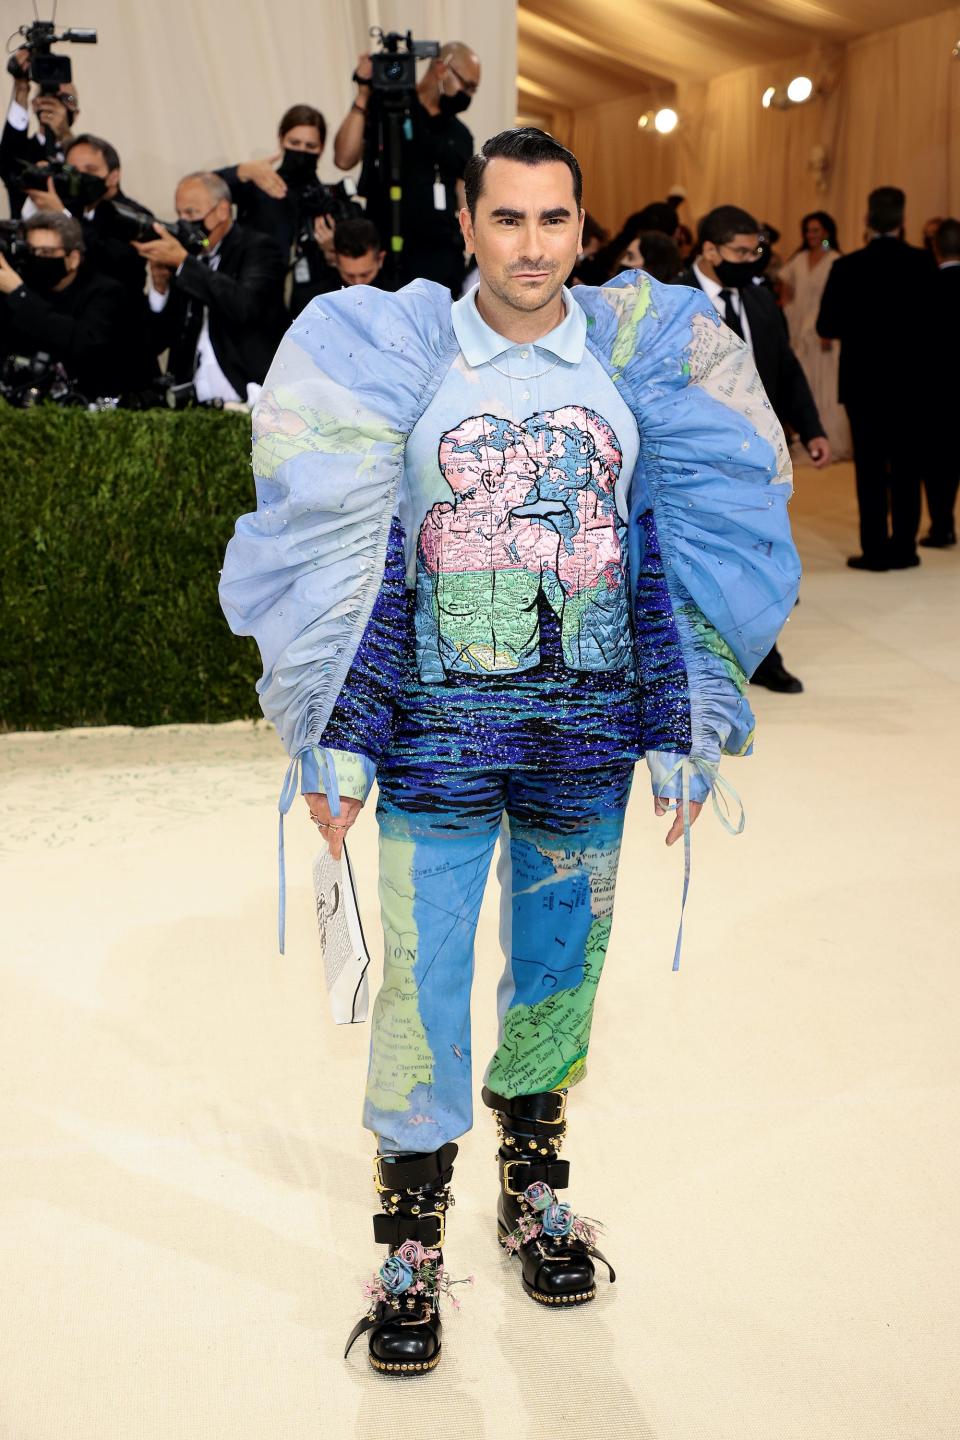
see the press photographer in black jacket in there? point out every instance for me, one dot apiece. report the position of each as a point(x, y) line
point(435, 149)
point(53, 302)
point(220, 312)
point(281, 197)
point(56, 114)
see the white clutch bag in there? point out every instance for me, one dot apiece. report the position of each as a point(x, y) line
point(345, 957)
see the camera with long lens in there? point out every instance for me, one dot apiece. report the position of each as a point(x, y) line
point(132, 224)
point(395, 70)
point(13, 244)
point(26, 380)
point(77, 190)
point(47, 70)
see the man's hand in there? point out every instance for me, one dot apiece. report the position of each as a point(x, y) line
point(661, 807)
point(160, 276)
point(53, 115)
point(333, 828)
point(264, 176)
point(9, 279)
point(819, 451)
point(364, 69)
point(323, 230)
point(47, 200)
point(166, 251)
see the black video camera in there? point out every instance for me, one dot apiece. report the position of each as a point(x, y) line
point(395, 71)
point(47, 70)
point(132, 224)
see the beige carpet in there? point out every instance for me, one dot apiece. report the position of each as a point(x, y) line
point(770, 1135)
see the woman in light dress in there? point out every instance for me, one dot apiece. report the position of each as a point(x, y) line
point(802, 282)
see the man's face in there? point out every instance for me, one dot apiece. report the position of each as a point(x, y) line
point(90, 162)
point(459, 73)
point(48, 245)
point(194, 202)
point(360, 269)
point(526, 232)
point(741, 250)
point(303, 137)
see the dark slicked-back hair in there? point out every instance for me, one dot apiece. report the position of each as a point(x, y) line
point(102, 147)
point(720, 226)
point(354, 238)
point(947, 239)
point(526, 144)
point(885, 209)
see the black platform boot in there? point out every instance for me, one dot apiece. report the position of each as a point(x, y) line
point(403, 1321)
point(556, 1247)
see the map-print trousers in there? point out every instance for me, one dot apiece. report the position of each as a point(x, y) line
point(560, 843)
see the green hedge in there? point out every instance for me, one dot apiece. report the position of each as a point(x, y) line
point(112, 533)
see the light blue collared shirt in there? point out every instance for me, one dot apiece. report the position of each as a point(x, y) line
point(479, 343)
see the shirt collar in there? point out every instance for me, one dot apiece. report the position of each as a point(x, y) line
point(480, 343)
point(708, 286)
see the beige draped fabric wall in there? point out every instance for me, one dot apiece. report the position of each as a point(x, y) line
point(892, 118)
point(188, 84)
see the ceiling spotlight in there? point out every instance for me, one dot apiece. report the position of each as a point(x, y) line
point(665, 121)
point(645, 121)
point(767, 96)
point(800, 89)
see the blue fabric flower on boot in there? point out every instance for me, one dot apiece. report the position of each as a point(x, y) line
point(557, 1219)
point(395, 1275)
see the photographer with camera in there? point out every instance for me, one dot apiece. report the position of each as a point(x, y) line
point(220, 312)
point(434, 149)
point(87, 190)
point(284, 198)
point(56, 113)
point(52, 302)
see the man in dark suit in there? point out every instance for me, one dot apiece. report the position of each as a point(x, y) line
point(56, 114)
point(878, 303)
point(728, 262)
point(53, 302)
point(220, 313)
point(942, 470)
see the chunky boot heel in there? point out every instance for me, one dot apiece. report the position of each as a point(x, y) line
point(556, 1248)
point(403, 1322)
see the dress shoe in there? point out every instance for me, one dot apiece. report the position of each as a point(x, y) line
point(777, 677)
point(867, 562)
point(903, 561)
point(939, 540)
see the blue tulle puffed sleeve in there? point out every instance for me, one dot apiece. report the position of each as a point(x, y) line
point(714, 568)
point(303, 573)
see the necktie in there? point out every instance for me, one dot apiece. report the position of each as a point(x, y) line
point(729, 314)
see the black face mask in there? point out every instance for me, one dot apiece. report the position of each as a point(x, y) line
point(299, 168)
point(734, 275)
point(79, 191)
point(42, 272)
point(451, 105)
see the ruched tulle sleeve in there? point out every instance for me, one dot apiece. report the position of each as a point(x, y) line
point(714, 567)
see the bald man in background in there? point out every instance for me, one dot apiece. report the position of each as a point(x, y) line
point(435, 148)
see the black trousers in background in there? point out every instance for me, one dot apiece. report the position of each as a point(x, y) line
point(941, 479)
point(888, 469)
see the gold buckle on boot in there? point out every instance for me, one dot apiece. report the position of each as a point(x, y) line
point(509, 1165)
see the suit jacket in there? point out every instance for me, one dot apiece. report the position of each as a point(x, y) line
point(108, 252)
point(85, 328)
point(244, 297)
point(878, 302)
point(19, 145)
point(780, 371)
